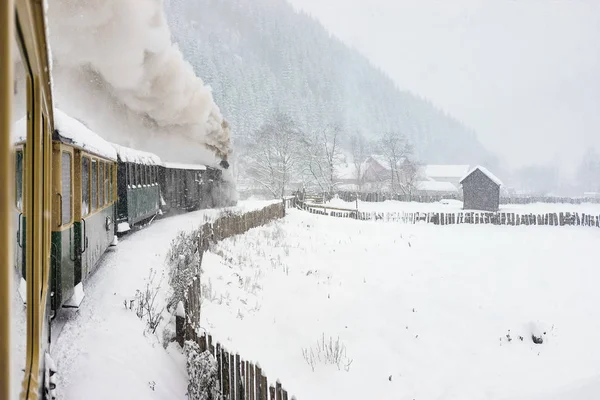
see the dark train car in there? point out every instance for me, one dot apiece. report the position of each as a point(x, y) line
point(187, 187)
point(138, 187)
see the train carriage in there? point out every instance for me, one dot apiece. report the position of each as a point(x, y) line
point(187, 187)
point(84, 187)
point(138, 187)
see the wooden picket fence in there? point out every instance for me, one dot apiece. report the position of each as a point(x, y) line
point(461, 217)
point(237, 379)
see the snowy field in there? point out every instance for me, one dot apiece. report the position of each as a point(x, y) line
point(456, 206)
point(102, 351)
point(424, 312)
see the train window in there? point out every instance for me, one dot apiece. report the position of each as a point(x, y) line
point(19, 180)
point(138, 175)
point(94, 185)
point(110, 182)
point(106, 182)
point(85, 186)
point(129, 174)
point(100, 184)
point(66, 188)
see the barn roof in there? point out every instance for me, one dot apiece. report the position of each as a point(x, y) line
point(485, 171)
point(435, 186)
point(445, 171)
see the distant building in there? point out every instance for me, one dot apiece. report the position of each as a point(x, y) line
point(481, 190)
point(435, 188)
point(445, 173)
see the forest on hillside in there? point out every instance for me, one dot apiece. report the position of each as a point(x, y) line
point(263, 58)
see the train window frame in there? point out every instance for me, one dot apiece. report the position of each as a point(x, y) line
point(110, 182)
point(129, 174)
point(19, 184)
point(106, 183)
point(85, 211)
point(94, 185)
point(100, 184)
point(69, 215)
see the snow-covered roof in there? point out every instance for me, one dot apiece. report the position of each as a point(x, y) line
point(445, 171)
point(74, 132)
point(127, 154)
point(487, 173)
point(196, 167)
point(435, 186)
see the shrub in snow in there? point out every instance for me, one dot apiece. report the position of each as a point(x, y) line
point(202, 373)
point(327, 352)
point(168, 334)
point(146, 303)
point(183, 260)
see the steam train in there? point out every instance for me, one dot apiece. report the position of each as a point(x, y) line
point(67, 194)
point(102, 190)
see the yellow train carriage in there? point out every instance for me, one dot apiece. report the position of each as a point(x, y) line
point(84, 197)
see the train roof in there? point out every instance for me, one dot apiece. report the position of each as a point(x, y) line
point(71, 131)
point(127, 154)
point(196, 167)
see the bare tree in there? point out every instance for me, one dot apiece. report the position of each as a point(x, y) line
point(360, 151)
point(274, 155)
point(322, 154)
point(410, 173)
point(395, 149)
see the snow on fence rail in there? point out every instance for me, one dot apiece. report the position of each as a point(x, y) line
point(376, 197)
point(462, 217)
point(237, 379)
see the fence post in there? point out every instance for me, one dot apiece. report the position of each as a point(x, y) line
point(232, 375)
point(272, 393)
point(219, 357)
point(239, 387)
point(278, 389)
point(226, 386)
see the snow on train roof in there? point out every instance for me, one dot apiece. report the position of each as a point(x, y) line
point(74, 132)
point(127, 154)
point(197, 167)
point(70, 131)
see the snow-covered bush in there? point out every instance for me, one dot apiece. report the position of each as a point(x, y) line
point(202, 373)
point(183, 260)
point(327, 352)
point(146, 305)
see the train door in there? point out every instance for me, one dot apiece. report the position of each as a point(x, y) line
point(63, 231)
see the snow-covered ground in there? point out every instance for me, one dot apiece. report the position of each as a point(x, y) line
point(103, 351)
point(456, 206)
point(423, 311)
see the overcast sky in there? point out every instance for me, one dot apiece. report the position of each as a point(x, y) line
point(525, 74)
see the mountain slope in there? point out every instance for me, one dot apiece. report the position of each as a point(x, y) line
point(260, 56)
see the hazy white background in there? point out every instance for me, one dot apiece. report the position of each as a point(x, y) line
point(525, 74)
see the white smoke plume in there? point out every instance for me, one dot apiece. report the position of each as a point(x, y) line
point(117, 70)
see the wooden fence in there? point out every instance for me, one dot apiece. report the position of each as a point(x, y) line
point(461, 217)
point(381, 196)
point(237, 379)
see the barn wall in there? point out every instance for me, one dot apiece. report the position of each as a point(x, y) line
point(480, 192)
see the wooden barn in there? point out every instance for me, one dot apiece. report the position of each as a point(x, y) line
point(481, 190)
